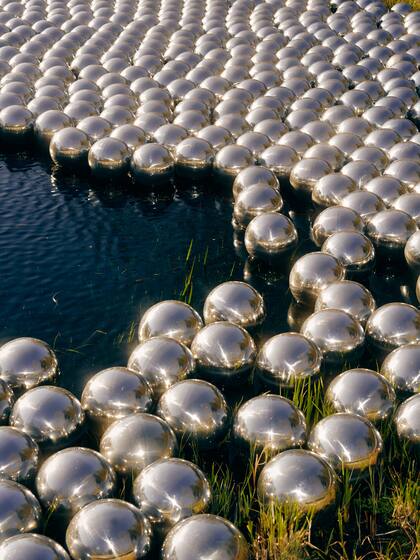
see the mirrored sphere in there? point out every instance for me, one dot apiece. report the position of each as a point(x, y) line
point(72, 478)
point(334, 219)
point(196, 410)
point(20, 511)
point(108, 529)
point(362, 391)
point(402, 368)
point(393, 325)
point(30, 545)
point(409, 203)
point(353, 250)
point(270, 237)
point(255, 200)
point(152, 163)
point(407, 420)
point(230, 160)
point(347, 441)
point(254, 175)
point(205, 536)
point(6, 401)
point(348, 296)
point(172, 318)
point(16, 123)
point(69, 147)
point(48, 123)
point(390, 230)
point(306, 173)
point(108, 158)
point(135, 441)
point(194, 157)
point(298, 477)
point(161, 361)
point(19, 455)
point(331, 189)
point(27, 362)
point(170, 490)
point(365, 203)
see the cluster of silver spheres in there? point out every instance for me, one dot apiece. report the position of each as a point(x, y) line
point(277, 99)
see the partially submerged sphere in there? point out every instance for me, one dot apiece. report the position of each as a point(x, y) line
point(362, 391)
point(393, 325)
point(298, 477)
point(254, 201)
point(230, 160)
point(196, 411)
point(334, 219)
point(109, 158)
point(194, 158)
point(152, 164)
point(20, 511)
point(30, 545)
point(402, 368)
point(347, 441)
point(407, 420)
point(108, 528)
point(161, 361)
point(236, 302)
point(69, 147)
point(270, 424)
point(390, 230)
point(170, 490)
point(205, 536)
point(172, 318)
point(270, 237)
point(19, 455)
point(16, 123)
point(353, 250)
point(348, 296)
point(133, 442)
point(48, 123)
point(27, 362)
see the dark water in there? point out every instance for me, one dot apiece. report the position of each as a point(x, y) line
point(80, 261)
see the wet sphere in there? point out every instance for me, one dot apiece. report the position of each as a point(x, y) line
point(52, 416)
point(402, 368)
point(172, 318)
point(133, 442)
point(353, 250)
point(337, 334)
point(152, 164)
point(18, 455)
point(69, 147)
point(390, 230)
point(224, 352)
point(349, 296)
point(114, 393)
point(72, 478)
point(254, 201)
point(20, 511)
point(347, 441)
point(393, 325)
point(205, 536)
point(407, 420)
point(30, 545)
point(287, 358)
point(170, 490)
point(16, 123)
point(161, 361)
point(48, 123)
point(27, 362)
point(108, 529)
point(109, 158)
point(194, 158)
point(335, 219)
point(270, 236)
point(269, 423)
point(362, 391)
point(230, 160)
point(254, 175)
point(196, 410)
point(298, 477)
point(311, 273)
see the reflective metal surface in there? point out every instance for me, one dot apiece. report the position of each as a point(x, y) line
point(402, 368)
point(270, 236)
point(19, 455)
point(348, 296)
point(30, 545)
point(407, 420)
point(20, 511)
point(393, 325)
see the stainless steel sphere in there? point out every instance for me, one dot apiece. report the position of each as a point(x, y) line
point(270, 237)
point(170, 490)
point(27, 362)
point(347, 441)
point(311, 273)
point(16, 123)
point(20, 511)
point(280, 160)
point(217, 136)
point(298, 477)
point(152, 164)
point(353, 250)
point(194, 158)
point(256, 200)
point(386, 187)
point(409, 203)
point(230, 160)
point(6, 401)
point(402, 368)
point(254, 175)
point(306, 173)
point(108, 528)
point(390, 230)
point(52, 416)
point(224, 352)
point(70, 147)
point(48, 123)
point(30, 545)
point(161, 361)
point(360, 171)
point(269, 424)
point(172, 318)
point(205, 536)
point(18, 455)
point(196, 411)
point(365, 203)
point(393, 325)
point(236, 302)
point(407, 420)
point(335, 219)
point(95, 127)
point(109, 158)
point(135, 441)
point(348, 296)
point(133, 136)
point(331, 189)
point(72, 478)
point(338, 335)
point(362, 391)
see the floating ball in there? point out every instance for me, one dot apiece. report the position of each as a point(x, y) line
point(6, 401)
point(353, 250)
point(306, 173)
point(348, 296)
point(270, 237)
point(254, 201)
point(20, 511)
point(16, 123)
point(69, 147)
point(335, 219)
point(50, 122)
point(152, 164)
point(19, 455)
point(393, 325)
point(389, 231)
point(194, 158)
point(30, 545)
point(109, 158)
point(254, 175)
point(230, 160)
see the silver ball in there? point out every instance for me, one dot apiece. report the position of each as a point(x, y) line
point(360, 171)
point(196, 410)
point(331, 189)
point(412, 251)
point(224, 352)
point(390, 230)
point(48, 123)
point(270, 236)
point(135, 441)
point(338, 335)
point(280, 160)
point(306, 173)
point(170, 135)
point(347, 441)
point(95, 127)
point(348, 296)
point(347, 142)
point(230, 160)
point(333, 220)
point(407, 420)
point(172, 318)
point(298, 477)
point(205, 535)
point(402, 368)
point(161, 361)
point(6, 401)
point(217, 136)
point(297, 140)
point(170, 490)
point(20, 511)
point(69, 147)
point(254, 201)
point(365, 203)
point(393, 325)
point(254, 175)
point(311, 273)
point(71, 479)
point(353, 250)
point(152, 164)
point(405, 170)
point(362, 391)
point(110, 528)
point(327, 152)
point(108, 158)
point(18, 455)
point(27, 362)
point(194, 158)
point(29, 545)
point(409, 203)
point(52, 416)
point(133, 136)
point(16, 123)
point(386, 187)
